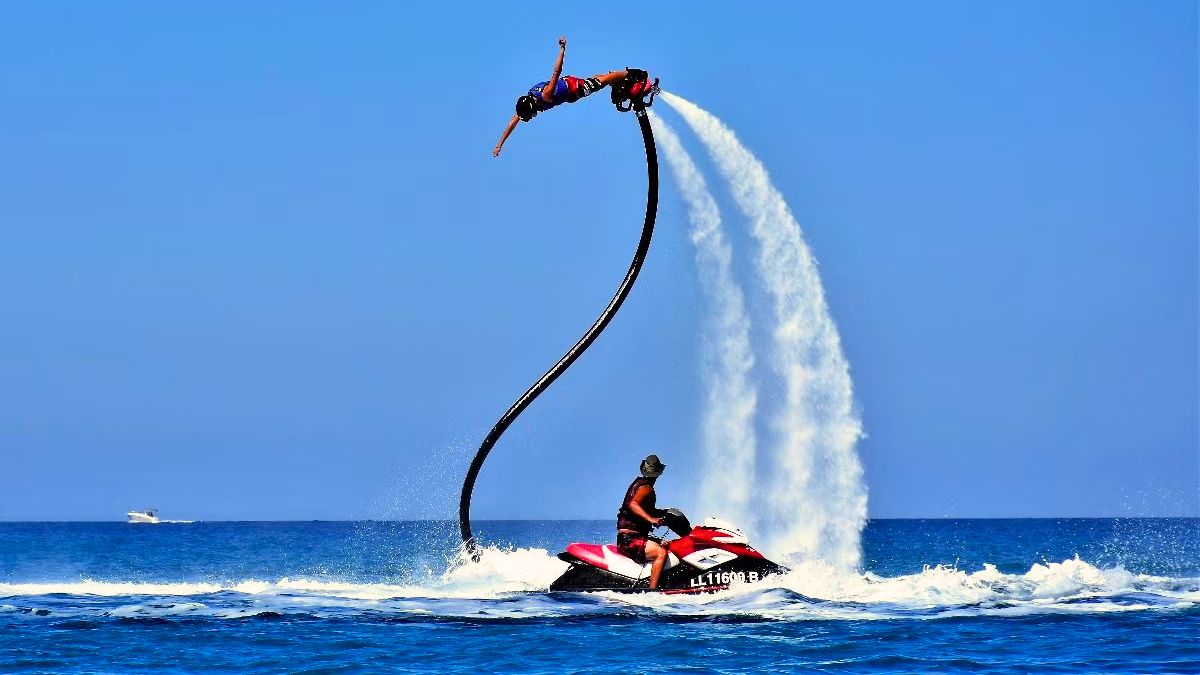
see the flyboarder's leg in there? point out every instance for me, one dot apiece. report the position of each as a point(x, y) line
point(611, 76)
point(657, 555)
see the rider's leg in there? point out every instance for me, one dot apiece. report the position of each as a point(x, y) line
point(611, 76)
point(657, 555)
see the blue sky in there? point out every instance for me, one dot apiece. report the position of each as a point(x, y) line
point(257, 262)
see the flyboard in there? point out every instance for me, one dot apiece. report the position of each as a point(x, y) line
point(706, 558)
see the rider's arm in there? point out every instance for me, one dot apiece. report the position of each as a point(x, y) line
point(512, 124)
point(635, 504)
point(548, 90)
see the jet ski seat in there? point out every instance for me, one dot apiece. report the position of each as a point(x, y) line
point(594, 554)
point(606, 557)
point(597, 554)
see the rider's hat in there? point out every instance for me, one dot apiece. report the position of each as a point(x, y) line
point(651, 467)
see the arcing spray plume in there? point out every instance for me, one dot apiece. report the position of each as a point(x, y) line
point(730, 398)
point(815, 503)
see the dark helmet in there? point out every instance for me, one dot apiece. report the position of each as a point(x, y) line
point(526, 107)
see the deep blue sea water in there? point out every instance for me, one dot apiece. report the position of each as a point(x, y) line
point(932, 596)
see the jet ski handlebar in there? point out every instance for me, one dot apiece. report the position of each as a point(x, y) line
point(674, 520)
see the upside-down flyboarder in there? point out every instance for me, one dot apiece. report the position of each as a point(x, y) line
point(569, 89)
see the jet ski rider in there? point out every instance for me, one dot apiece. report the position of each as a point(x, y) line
point(546, 95)
point(638, 515)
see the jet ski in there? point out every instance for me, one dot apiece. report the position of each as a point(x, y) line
point(706, 558)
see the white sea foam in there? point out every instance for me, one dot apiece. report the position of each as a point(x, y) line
point(818, 590)
point(730, 396)
point(815, 504)
point(498, 572)
point(504, 571)
point(109, 588)
point(511, 583)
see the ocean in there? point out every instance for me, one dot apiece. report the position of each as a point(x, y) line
point(1030, 595)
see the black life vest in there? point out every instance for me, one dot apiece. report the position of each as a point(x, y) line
point(626, 518)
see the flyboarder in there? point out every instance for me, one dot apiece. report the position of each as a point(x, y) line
point(558, 90)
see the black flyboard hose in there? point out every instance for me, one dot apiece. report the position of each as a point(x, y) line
point(639, 256)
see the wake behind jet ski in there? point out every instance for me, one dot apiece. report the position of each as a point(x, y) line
point(630, 88)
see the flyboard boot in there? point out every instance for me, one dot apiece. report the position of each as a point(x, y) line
point(635, 91)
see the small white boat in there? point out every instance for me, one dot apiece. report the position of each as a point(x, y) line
point(144, 516)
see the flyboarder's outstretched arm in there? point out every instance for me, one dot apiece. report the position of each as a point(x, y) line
point(548, 90)
point(512, 124)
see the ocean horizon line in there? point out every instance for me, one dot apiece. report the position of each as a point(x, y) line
point(454, 521)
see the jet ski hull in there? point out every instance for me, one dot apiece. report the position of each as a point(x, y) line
point(583, 577)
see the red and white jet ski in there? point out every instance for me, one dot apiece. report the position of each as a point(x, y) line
point(706, 558)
